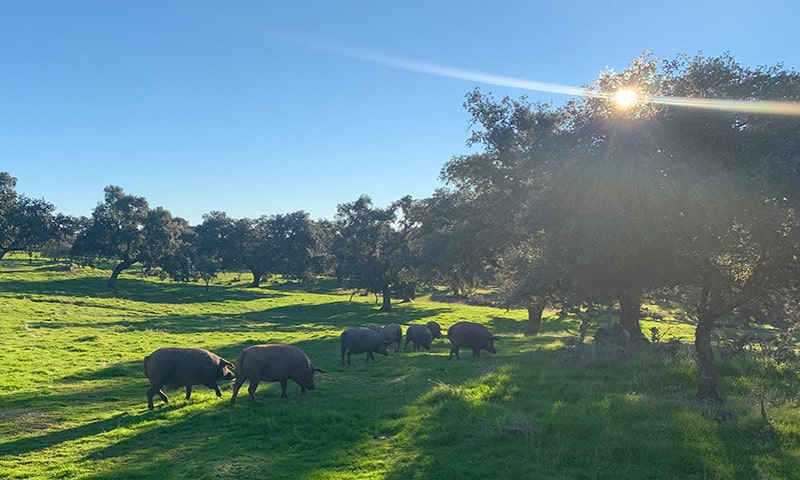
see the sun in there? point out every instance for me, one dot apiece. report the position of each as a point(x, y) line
point(625, 97)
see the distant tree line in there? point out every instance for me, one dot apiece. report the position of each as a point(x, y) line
point(573, 207)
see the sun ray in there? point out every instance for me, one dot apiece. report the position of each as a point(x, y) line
point(623, 99)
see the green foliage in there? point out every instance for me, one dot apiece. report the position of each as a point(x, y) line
point(126, 230)
point(371, 246)
point(72, 401)
point(276, 244)
point(25, 223)
point(593, 202)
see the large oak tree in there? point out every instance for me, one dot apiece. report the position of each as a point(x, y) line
point(124, 229)
point(371, 246)
point(659, 194)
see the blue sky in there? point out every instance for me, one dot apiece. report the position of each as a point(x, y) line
point(258, 108)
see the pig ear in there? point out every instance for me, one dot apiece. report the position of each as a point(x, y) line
point(224, 363)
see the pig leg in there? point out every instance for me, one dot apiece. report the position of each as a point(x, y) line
point(236, 386)
point(252, 390)
point(283, 389)
point(151, 392)
point(188, 392)
point(452, 351)
point(215, 387)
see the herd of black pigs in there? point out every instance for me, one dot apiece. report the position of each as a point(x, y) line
point(185, 367)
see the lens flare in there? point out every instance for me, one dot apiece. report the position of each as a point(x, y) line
point(743, 106)
point(624, 98)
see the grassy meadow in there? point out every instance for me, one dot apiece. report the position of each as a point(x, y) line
point(73, 405)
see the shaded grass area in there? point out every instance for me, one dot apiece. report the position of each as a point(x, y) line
point(73, 405)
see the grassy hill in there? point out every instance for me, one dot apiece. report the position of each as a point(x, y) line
point(73, 405)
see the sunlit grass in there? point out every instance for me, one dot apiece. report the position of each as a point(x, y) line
point(72, 403)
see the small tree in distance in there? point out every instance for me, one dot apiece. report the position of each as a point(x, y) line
point(276, 244)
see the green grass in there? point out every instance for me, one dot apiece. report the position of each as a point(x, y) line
point(73, 405)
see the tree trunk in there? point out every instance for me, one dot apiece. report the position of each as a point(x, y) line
point(630, 303)
point(256, 278)
point(387, 304)
point(535, 311)
point(708, 381)
point(112, 281)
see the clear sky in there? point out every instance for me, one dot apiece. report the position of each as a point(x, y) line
point(259, 108)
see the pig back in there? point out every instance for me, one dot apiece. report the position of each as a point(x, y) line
point(360, 340)
point(420, 335)
point(180, 367)
point(273, 362)
point(470, 334)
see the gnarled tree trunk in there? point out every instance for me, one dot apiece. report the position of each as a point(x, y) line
point(535, 311)
point(630, 304)
point(707, 385)
point(112, 281)
point(387, 304)
point(257, 275)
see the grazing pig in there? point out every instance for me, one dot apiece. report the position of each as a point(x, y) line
point(184, 367)
point(419, 336)
point(473, 335)
point(273, 362)
point(435, 328)
point(361, 340)
point(392, 334)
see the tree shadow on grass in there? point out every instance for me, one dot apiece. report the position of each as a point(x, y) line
point(85, 289)
point(292, 318)
point(592, 429)
point(299, 437)
point(36, 417)
point(506, 325)
point(323, 285)
point(438, 419)
point(28, 444)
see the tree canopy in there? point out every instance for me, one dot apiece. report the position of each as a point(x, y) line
point(126, 230)
point(604, 202)
point(371, 246)
point(25, 223)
